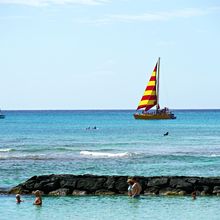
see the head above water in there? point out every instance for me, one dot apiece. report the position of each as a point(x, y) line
point(37, 193)
point(130, 181)
point(18, 196)
point(134, 179)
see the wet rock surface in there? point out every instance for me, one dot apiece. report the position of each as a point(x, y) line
point(67, 184)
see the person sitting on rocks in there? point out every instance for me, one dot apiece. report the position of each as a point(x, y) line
point(130, 183)
point(18, 199)
point(38, 199)
point(136, 188)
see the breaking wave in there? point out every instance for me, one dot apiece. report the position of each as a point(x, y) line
point(105, 154)
point(5, 150)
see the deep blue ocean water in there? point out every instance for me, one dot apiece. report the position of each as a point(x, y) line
point(46, 142)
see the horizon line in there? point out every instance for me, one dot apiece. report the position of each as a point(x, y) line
point(173, 109)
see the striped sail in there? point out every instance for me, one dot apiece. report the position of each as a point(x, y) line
point(149, 99)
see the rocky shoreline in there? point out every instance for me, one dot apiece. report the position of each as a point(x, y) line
point(67, 184)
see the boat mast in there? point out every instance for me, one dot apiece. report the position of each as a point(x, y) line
point(158, 79)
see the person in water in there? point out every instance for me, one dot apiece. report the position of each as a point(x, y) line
point(18, 199)
point(136, 188)
point(130, 183)
point(38, 199)
point(193, 195)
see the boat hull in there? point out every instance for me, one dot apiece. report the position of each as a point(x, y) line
point(148, 116)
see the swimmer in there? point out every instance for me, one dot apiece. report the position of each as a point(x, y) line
point(38, 199)
point(18, 199)
point(193, 195)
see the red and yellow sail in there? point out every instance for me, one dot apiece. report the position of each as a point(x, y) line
point(149, 99)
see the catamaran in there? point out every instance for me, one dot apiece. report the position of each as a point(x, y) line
point(151, 99)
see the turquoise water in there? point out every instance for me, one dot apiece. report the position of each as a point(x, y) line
point(45, 142)
point(111, 207)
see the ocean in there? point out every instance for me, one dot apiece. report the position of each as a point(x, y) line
point(108, 142)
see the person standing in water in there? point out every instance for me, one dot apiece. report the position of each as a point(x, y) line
point(136, 188)
point(130, 183)
point(38, 199)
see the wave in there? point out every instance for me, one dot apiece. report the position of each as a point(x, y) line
point(26, 157)
point(38, 149)
point(215, 155)
point(63, 154)
point(5, 149)
point(105, 154)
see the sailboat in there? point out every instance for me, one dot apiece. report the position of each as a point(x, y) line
point(151, 99)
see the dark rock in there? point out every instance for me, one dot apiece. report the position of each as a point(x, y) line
point(110, 183)
point(107, 185)
point(29, 185)
point(90, 184)
point(68, 183)
point(211, 181)
point(47, 186)
point(192, 180)
point(181, 183)
point(121, 185)
point(50, 186)
point(60, 192)
point(143, 182)
point(158, 181)
point(43, 178)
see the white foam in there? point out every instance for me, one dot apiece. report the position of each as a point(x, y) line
point(214, 155)
point(104, 154)
point(22, 157)
point(5, 149)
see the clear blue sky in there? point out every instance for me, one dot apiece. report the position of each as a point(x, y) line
point(99, 54)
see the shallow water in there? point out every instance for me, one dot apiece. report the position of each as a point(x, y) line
point(111, 207)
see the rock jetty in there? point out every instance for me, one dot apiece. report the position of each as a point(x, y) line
point(67, 184)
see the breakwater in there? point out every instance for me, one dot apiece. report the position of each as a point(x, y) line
point(67, 184)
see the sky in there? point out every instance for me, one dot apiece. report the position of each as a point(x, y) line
point(99, 54)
